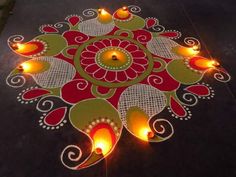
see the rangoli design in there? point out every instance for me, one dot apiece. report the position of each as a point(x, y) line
point(109, 72)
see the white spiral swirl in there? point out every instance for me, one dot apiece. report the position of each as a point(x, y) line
point(134, 9)
point(191, 41)
point(81, 39)
point(221, 78)
point(158, 28)
point(45, 105)
point(90, 12)
point(15, 38)
point(190, 98)
point(161, 124)
point(82, 85)
point(60, 24)
point(154, 80)
point(74, 155)
point(16, 81)
point(142, 38)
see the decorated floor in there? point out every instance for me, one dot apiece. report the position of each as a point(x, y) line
point(116, 90)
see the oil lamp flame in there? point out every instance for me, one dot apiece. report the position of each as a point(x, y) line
point(213, 64)
point(114, 56)
point(195, 48)
point(102, 146)
point(24, 67)
point(146, 133)
point(124, 8)
point(102, 11)
point(18, 46)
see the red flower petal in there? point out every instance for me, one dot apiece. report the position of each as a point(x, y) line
point(92, 68)
point(99, 74)
point(172, 34)
point(92, 48)
point(115, 42)
point(110, 76)
point(35, 93)
point(121, 76)
point(142, 61)
point(123, 44)
point(106, 42)
point(132, 48)
point(99, 45)
point(150, 22)
point(73, 20)
point(138, 54)
point(131, 73)
point(200, 90)
point(87, 61)
point(88, 55)
point(138, 68)
point(55, 117)
point(177, 108)
point(49, 29)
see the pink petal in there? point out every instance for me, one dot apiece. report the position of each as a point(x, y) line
point(56, 116)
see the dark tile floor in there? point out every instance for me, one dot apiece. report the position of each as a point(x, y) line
point(204, 146)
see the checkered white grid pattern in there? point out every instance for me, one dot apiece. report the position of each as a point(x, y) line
point(148, 98)
point(162, 46)
point(59, 73)
point(94, 28)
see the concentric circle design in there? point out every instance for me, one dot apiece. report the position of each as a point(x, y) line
point(114, 58)
point(113, 61)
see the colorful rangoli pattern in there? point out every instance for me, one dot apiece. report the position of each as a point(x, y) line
point(102, 92)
